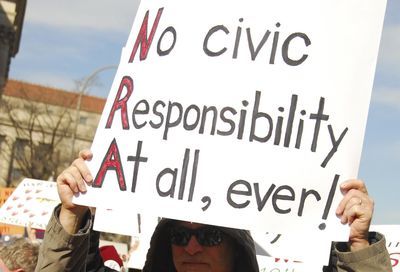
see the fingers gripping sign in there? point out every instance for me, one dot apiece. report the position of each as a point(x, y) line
point(72, 181)
point(356, 209)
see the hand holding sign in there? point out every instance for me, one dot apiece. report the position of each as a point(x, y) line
point(356, 208)
point(73, 181)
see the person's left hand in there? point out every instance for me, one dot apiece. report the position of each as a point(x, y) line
point(356, 209)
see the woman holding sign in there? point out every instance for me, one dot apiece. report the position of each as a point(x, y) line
point(186, 246)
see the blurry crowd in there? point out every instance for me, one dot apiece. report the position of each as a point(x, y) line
point(20, 253)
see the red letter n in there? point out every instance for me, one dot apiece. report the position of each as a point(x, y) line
point(121, 103)
point(142, 36)
point(111, 161)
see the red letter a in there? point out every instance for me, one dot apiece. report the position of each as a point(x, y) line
point(111, 161)
point(142, 36)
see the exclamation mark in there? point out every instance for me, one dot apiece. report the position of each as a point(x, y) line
point(328, 205)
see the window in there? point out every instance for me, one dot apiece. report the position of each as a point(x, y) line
point(83, 120)
point(16, 174)
point(18, 156)
point(2, 139)
point(20, 146)
point(29, 160)
point(42, 151)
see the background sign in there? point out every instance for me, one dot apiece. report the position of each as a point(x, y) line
point(32, 202)
point(256, 111)
point(6, 229)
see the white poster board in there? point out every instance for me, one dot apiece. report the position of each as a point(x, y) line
point(268, 264)
point(32, 202)
point(246, 109)
point(137, 257)
point(139, 227)
point(116, 221)
point(308, 249)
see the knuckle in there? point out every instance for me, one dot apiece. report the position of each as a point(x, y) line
point(74, 170)
point(76, 162)
point(63, 176)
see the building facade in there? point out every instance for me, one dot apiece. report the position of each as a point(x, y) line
point(42, 129)
point(12, 14)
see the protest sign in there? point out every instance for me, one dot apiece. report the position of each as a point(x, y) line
point(269, 264)
point(139, 247)
point(116, 221)
point(32, 202)
point(247, 109)
point(139, 227)
point(293, 247)
point(6, 229)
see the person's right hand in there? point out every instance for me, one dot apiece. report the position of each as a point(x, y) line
point(73, 181)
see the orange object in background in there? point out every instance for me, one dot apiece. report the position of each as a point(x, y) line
point(6, 229)
point(11, 230)
point(5, 192)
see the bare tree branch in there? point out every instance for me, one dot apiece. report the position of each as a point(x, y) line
point(40, 129)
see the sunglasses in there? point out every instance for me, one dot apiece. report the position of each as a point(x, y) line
point(206, 236)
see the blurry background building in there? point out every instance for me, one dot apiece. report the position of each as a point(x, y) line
point(38, 130)
point(11, 20)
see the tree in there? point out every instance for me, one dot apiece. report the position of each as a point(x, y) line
point(39, 130)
